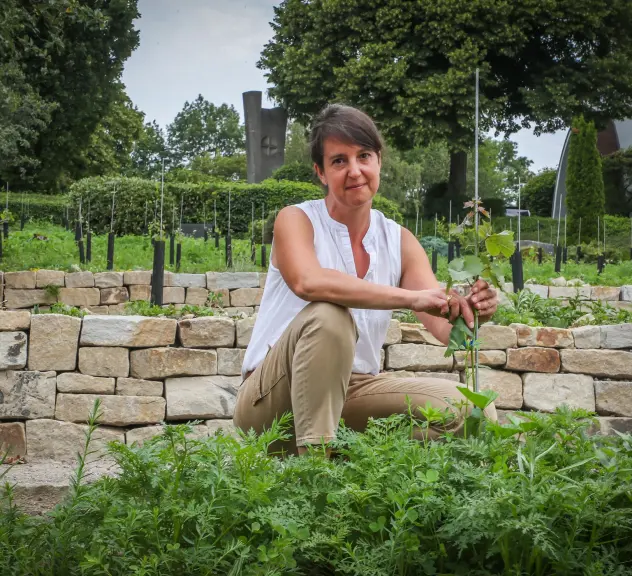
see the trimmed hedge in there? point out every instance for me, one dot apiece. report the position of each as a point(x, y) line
point(40, 206)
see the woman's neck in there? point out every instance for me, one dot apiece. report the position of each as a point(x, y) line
point(357, 220)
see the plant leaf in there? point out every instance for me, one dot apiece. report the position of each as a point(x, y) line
point(480, 399)
point(465, 268)
point(500, 243)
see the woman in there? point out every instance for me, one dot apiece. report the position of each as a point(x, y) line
point(337, 270)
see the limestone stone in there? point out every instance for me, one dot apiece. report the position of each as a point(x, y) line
point(117, 295)
point(158, 363)
point(602, 363)
point(137, 277)
point(12, 320)
point(12, 350)
point(570, 292)
point(50, 278)
point(485, 358)
point(542, 291)
point(497, 337)
point(139, 292)
point(232, 280)
point(141, 435)
point(546, 392)
point(226, 427)
point(80, 280)
point(587, 337)
point(561, 281)
point(117, 410)
point(546, 337)
point(138, 387)
point(196, 296)
point(13, 439)
point(246, 297)
point(533, 359)
point(613, 397)
point(607, 293)
point(108, 279)
point(27, 298)
point(244, 331)
point(230, 360)
point(239, 312)
point(27, 395)
point(622, 305)
point(168, 278)
point(417, 357)
point(73, 383)
point(189, 280)
point(507, 385)
point(24, 280)
point(128, 331)
point(222, 296)
point(62, 441)
point(104, 361)
point(263, 276)
point(53, 342)
point(382, 359)
point(207, 332)
point(117, 310)
point(610, 426)
point(80, 296)
point(626, 293)
point(97, 310)
point(393, 334)
point(173, 295)
point(417, 334)
point(453, 376)
point(201, 397)
point(400, 374)
point(616, 336)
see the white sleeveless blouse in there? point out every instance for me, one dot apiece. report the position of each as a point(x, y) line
point(279, 305)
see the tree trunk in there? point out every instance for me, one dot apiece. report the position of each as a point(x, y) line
point(457, 191)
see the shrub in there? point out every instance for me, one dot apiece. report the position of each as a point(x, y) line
point(296, 172)
point(537, 194)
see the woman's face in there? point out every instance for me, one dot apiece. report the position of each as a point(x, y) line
point(351, 173)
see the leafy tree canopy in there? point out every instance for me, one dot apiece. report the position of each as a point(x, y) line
point(231, 168)
point(537, 194)
point(148, 152)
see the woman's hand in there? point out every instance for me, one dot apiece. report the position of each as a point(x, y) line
point(483, 298)
point(437, 303)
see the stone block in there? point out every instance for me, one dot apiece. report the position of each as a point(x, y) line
point(189, 280)
point(111, 296)
point(128, 331)
point(80, 280)
point(158, 363)
point(104, 361)
point(497, 337)
point(246, 297)
point(196, 296)
point(613, 397)
point(80, 296)
point(382, 359)
point(232, 280)
point(542, 291)
point(27, 298)
point(605, 293)
point(507, 385)
point(108, 279)
point(263, 276)
point(54, 341)
point(417, 357)
point(546, 392)
point(545, 337)
point(137, 277)
point(399, 374)
point(226, 427)
point(207, 332)
point(141, 435)
point(97, 310)
point(587, 337)
point(610, 426)
point(626, 293)
point(139, 292)
point(24, 280)
point(222, 295)
point(533, 359)
point(201, 397)
point(485, 358)
point(27, 395)
point(615, 364)
point(239, 312)
point(13, 320)
point(230, 360)
point(117, 410)
point(622, 305)
point(417, 334)
point(452, 376)
point(117, 310)
point(244, 331)
point(616, 336)
point(138, 387)
point(73, 383)
point(62, 441)
point(12, 350)
point(45, 278)
point(13, 439)
point(393, 334)
point(570, 292)
point(173, 295)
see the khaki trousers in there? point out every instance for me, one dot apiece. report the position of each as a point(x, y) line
point(308, 372)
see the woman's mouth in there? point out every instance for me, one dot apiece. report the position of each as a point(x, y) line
point(355, 187)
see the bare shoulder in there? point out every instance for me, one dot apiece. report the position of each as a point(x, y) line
point(411, 247)
point(291, 216)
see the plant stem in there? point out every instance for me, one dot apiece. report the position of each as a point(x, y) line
point(475, 351)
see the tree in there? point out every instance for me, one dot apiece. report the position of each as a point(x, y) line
point(149, 150)
point(295, 172)
point(584, 179)
point(537, 194)
point(231, 168)
point(201, 127)
point(297, 145)
point(410, 65)
point(617, 176)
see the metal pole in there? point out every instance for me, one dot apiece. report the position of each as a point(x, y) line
point(162, 195)
point(519, 222)
point(476, 223)
point(112, 216)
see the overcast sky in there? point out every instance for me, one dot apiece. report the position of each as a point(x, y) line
point(211, 47)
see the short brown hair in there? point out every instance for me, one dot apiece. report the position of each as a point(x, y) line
point(344, 123)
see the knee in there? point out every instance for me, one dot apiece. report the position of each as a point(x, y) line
point(331, 319)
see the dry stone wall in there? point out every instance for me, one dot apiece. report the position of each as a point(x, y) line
point(149, 370)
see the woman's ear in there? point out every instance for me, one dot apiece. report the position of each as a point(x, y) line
point(320, 174)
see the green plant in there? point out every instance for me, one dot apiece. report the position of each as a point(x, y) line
point(296, 172)
point(53, 290)
point(7, 216)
